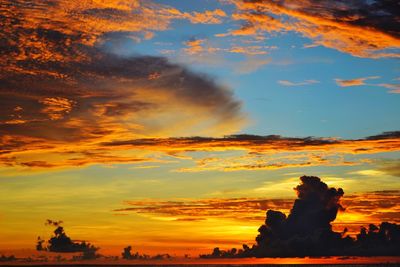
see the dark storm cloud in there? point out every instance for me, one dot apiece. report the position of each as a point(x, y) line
point(315, 208)
point(308, 225)
point(307, 230)
point(385, 135)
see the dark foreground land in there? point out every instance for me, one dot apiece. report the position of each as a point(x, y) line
point(203, 265)
point(196, 262)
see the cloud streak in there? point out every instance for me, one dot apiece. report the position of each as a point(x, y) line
point(289, 83)
point(394, 87)
point(354, 82)
point(359, 209)
point(243, 209)
point(271, 143)
point(360, 28)
point(253, 152)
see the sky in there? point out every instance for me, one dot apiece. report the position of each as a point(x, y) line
point(172, 126)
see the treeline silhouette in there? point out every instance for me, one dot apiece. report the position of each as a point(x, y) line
point(307, 230)
point(4, 258)
point(62, 243)
point(127, 255)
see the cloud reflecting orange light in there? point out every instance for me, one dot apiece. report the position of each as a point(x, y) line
point(334, 24)
point(65, 101)
point(62, 95)
point(360, 209)
point(258, 152)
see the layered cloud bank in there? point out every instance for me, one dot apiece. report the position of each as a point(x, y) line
point(80, 143)
point(360, 209)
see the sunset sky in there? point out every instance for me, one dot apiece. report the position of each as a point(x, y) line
point(172, 126)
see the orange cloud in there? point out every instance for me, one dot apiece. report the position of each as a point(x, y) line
point(393, 87)
point(243, 209)
point(264, 144)
point(207, 17)
point(361, 209)
point(56, 107)
point(40, 32)
point(46, 32)
point(248, 50)
point(342, 26)
point(259, 161)
point(253, 152)
point(366, 208)
point(354, 82)
point(202, 46)
point(194, 46)
point(65, 101)
point(60, 92)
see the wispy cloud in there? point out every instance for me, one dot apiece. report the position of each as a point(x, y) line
point(354, 82)
point(390, 167)
point(394, 87)
point(206, 17)
point(204, 47)
point(273, 143)
point(244, 209)
point(360, 209)
point(194, 46)
point(251, 64)
point(205, 51)
point(289, 83)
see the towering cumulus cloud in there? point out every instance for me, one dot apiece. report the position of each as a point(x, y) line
point(58, 85)
point(307, 230)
